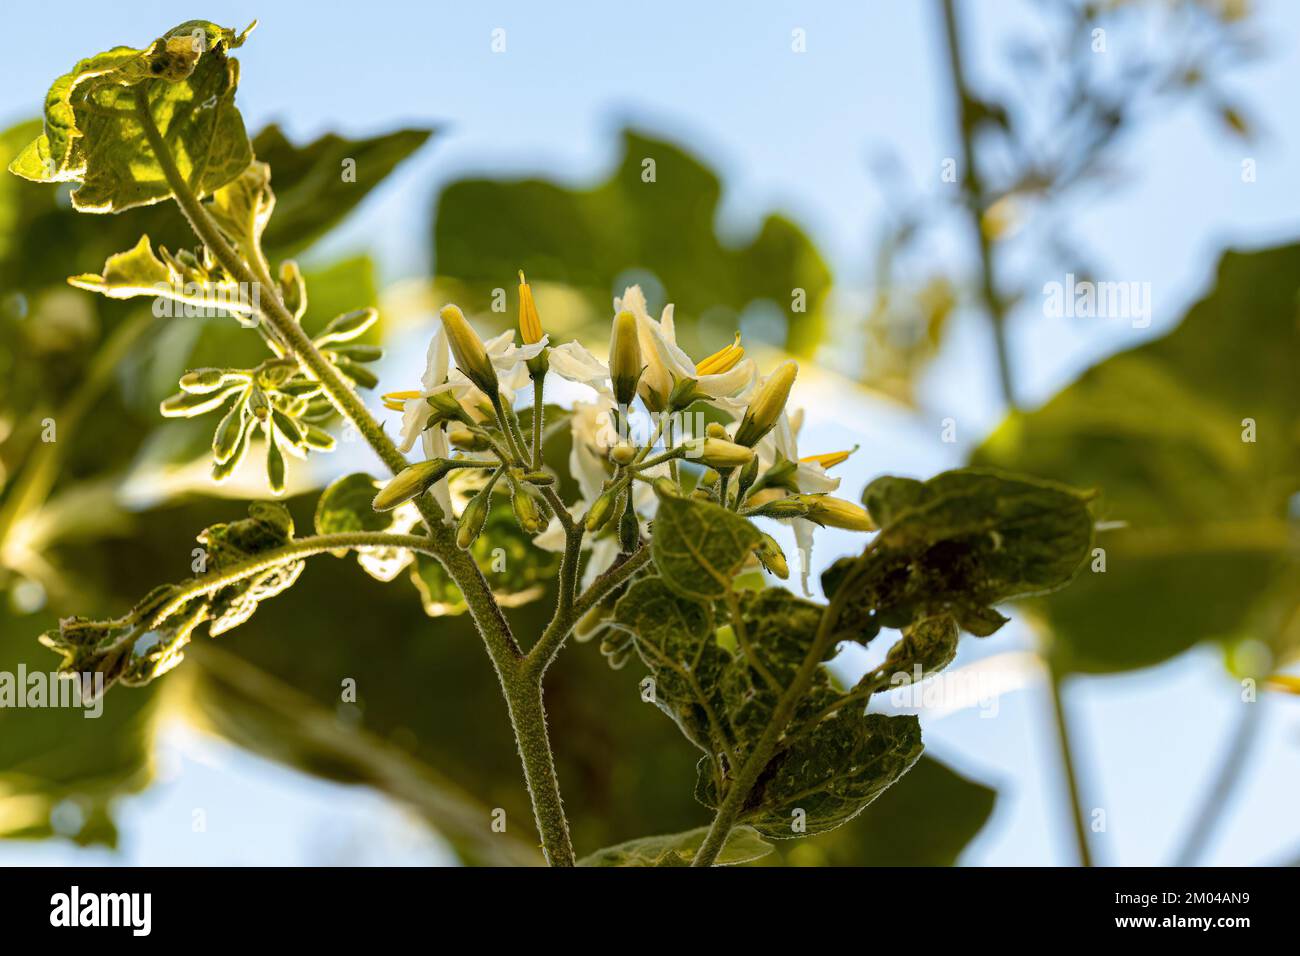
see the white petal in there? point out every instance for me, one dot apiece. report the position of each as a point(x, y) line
point(803, 538)
point(415, 415)
point(437, 446)
point(573, 362)
point(603, 552)
point(812, 479)
point(437, 362)
point(733, 382)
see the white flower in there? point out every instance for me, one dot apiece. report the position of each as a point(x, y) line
point(666, 363)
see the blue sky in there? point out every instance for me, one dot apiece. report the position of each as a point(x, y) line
point(793, 133)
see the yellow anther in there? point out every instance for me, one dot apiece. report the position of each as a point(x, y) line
point(530, 324)
point(395, 401)
point(723, 360)
point(829, 459)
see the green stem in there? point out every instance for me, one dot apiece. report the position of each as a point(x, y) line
point(1054, 681)
point(504, 651)
point(539, 406)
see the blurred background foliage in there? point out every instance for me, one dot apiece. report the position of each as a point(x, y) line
point(1200, 537)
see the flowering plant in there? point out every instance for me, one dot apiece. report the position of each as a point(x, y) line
point(661, 513)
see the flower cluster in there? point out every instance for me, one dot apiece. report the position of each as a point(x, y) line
point(655, 423)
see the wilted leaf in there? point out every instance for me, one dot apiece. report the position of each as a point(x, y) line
point(743, 845)
point(962, 541)
point(93, 136)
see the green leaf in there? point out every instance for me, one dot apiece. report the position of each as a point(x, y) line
point(312, 192)
point(824, 778)
point(744, 845)
point(698, 547)
point(592, 239)
point(675, 636)
point(93, 136)
point(1199, 537)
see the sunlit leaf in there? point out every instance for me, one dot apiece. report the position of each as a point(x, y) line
point(94, 137)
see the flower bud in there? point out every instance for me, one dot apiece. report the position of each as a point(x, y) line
point(539, 478)
point(772, 557)
point(718, 452)
point(530, 323)
point(666, 488)
point(716, 430)
point(837, 513)
point(471, 358)
point(602, 509)
point(624, 358)
point(411, 482)
point(629, 528)
point(766, 406)
point(293, 288)
point(622, 453)
point(474, 517)
point(466, 440)
point(527, 513)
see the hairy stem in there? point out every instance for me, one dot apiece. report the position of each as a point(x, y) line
point(504, 651)
point(528, 714)
point(294, 551)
